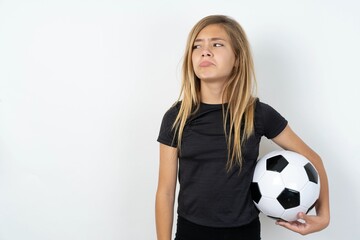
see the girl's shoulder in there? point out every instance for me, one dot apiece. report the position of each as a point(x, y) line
point(268, 121)
point(172, 112)
point(262, 108)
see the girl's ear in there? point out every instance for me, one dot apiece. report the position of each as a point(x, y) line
point(236, 63)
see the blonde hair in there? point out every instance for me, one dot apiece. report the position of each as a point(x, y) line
point(238, 92)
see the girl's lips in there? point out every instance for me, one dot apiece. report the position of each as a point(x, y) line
point(205, 64)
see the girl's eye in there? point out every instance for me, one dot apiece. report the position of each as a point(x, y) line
point(196, 46)
point(218, 45)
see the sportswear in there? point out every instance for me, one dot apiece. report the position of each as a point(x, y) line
point(209, 195)
point(186, 230)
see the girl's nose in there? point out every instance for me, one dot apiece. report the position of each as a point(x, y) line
point(206, 53)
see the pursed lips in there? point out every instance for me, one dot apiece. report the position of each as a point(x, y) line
point(205, 64)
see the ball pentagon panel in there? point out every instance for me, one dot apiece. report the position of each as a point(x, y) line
point(276, 163)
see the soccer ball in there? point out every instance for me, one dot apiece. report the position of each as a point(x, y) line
point(284, 184)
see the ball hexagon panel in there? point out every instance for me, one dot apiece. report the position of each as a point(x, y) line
point(294, 176)
point(270, 207)
point(291, 214)
point(271, 184)
point(309, 194)
point(259, 170)
point(295, 157)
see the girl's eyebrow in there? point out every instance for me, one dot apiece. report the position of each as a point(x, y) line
point(210, 39)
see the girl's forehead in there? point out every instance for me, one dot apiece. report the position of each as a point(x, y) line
point(213, 30)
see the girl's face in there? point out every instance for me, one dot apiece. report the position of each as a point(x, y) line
point(212, 57)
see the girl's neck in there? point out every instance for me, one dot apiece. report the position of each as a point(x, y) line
point(211, 93)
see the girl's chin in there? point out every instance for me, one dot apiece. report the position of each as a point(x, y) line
point(209, 79)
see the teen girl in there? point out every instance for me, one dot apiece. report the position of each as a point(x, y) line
point(210, 141)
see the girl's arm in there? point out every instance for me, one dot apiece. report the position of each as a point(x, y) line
point(165, 194)
point(288, 140)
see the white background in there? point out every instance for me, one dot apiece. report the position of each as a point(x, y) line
point(84, 86)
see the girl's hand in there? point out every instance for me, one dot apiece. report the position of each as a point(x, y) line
point(306, 224)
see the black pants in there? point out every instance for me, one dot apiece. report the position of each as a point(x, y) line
point(187, 230)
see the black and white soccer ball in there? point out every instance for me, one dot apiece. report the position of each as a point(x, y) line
point(284, 184)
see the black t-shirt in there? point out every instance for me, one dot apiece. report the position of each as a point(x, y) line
point(209, 195)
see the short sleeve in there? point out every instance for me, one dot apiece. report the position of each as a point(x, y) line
point(268, 121)
point(167, 134)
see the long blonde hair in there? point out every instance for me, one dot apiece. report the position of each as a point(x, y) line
point(238, 91)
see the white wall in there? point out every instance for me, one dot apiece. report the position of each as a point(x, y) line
point(84, 85)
